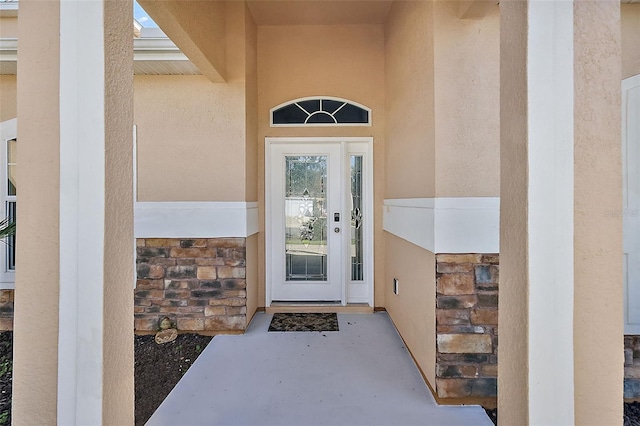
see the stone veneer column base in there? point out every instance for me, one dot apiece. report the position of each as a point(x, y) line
point(632, 367)
point(199, 284)
point(467, 326)
point(6, 310)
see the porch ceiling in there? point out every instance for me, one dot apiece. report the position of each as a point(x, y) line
point(319, 12)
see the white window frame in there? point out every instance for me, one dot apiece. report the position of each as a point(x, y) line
point(8, 131)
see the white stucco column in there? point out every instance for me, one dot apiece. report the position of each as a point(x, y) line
point(75, 250)
point(560, 169)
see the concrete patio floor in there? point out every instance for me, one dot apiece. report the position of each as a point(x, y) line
point(360, 375)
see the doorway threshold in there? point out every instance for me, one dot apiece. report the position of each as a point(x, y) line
point(313, 307)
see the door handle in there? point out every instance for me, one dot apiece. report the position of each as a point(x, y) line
point(336, 230)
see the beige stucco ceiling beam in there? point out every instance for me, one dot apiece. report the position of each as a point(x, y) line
point(197, 28)
point(475, 9)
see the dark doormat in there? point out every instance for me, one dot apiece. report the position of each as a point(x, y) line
point(304, 322)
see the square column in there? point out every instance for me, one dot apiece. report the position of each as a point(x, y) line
point(73, 350)
point(598, 247)
point(560, 274)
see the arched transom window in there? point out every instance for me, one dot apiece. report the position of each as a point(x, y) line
point(320, 111)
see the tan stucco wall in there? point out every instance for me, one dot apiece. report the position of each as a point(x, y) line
point(252, 275)
point(196, 139)
point(35, 355)
point(343, 61)
point(251, 106)
point(409, 112)
point(467, 102)
point(410, 172)
point(8, 93)
point(117, 356)
point(598, 304)
point(413, 309)
point(190, 138)
point(630, 20)
point(8, 27)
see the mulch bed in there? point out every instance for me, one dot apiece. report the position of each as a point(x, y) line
point(493, 414)
point(159, 367)
point(632, 414)
point(157, 370)
point(6, 374)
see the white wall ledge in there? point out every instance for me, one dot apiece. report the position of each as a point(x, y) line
point(446, 225)
point(195, 219)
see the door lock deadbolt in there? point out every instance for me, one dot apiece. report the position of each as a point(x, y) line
point(336, 217)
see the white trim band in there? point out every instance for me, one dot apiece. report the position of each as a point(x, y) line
point(446, 225)
point(195, 219)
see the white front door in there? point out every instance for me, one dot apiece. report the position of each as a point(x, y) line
point(631, 201)
point(317, 204)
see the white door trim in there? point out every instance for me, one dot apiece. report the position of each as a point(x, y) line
point(367, 150)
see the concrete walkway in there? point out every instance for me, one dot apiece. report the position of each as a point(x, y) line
point(360, 375)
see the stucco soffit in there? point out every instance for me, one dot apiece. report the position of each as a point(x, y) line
point(155, 56)
point(8, 56)
point(8, 8)
point(8, 49)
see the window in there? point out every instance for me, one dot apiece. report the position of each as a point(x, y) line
point(320, 111)
point(10, 201)
point(8, 195)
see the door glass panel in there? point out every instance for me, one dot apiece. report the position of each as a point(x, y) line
point(355, 247)
point(306, 218)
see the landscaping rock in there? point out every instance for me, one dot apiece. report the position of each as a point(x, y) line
point(166, 336)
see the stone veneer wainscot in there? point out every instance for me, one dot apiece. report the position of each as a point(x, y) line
point(200, 284)
point(467, 325)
